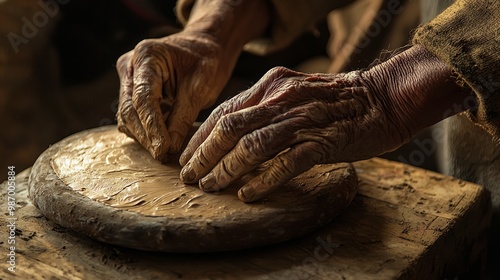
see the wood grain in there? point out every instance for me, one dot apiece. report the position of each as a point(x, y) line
point(405, 223)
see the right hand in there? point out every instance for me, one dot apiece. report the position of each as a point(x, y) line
point(296, 120)
point(164, 84)
point(293, 120)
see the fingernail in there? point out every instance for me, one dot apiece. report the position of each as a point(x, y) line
point(246, 194)
point(188, 175)
point(156, 142)
point(155, 148)
point(209, 183)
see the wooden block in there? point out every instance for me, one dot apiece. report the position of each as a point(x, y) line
point(405, 223)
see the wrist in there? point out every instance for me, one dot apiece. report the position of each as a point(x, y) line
point(231, 23)
point(228, 25)
point(415, 88)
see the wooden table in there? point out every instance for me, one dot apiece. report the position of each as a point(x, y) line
point(405, 223)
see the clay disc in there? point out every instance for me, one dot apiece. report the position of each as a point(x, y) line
point(103, 184)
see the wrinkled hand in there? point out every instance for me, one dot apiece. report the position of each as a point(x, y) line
point(164, 84)
point(295, 120)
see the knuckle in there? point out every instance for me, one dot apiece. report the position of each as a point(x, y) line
point(149, 52)
point(258, 142)
point(227, 169)
point(290, 86)
point(202, 155)
point(226, 127)
point(285, 167)
point(223, 109)
point(154, 47)
point(277, 71)
point(279, 173)
point(148, 70)
point(318, 153)
point(218, 112)
point(145, 45)
point(123, 60)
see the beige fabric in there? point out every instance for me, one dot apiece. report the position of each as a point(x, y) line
point(467, 37)
point(360, 31)
point(290, 18)
point(471, 154)
point(363, 30)
point(348, 28)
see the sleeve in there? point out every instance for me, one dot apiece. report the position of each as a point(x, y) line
point(467, 37)
point(289, 19)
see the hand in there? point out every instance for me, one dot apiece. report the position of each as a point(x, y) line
point(164, 84)
point(295, 120)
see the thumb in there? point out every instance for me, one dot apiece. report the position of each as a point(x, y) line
point(180, 121)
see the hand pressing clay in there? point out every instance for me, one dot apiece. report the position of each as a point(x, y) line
point(104, 184)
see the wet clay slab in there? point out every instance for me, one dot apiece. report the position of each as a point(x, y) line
point(105, 185)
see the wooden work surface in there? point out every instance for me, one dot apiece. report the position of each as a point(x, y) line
point(405, 223)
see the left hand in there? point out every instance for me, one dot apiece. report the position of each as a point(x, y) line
point(165, 83)
point(295, 120)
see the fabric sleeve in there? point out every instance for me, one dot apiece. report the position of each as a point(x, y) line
point(289, 19)
point(466, 36)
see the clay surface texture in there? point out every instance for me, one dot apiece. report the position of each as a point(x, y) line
point(104, 184)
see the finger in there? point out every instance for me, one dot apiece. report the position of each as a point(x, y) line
point(181, 119)
point(128, 120)
point(146, 98)
point(205, 129)
point(167, 101)
point(224, 137)
point(252, 150)
point(246, 99)
point(282, 169)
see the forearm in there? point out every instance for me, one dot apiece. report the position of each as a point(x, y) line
point(420, 90)
point(231, 24)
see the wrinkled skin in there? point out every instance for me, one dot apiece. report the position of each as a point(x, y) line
point(164, 84)
point(296, 120)
point(288, 119)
